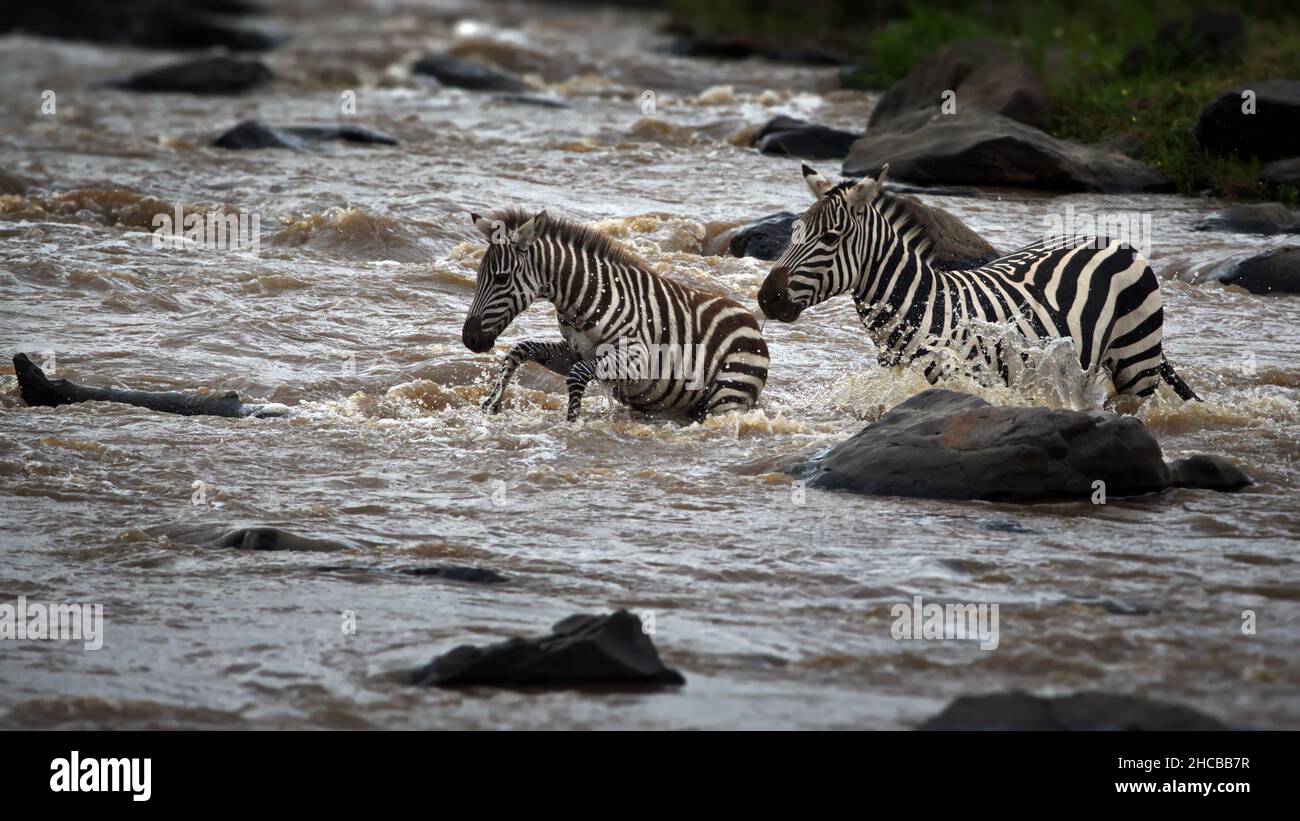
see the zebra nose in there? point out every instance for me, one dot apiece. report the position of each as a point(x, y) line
point(474, 338)
point(772, 297)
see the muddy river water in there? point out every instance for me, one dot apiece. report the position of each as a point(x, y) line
point(776, 607)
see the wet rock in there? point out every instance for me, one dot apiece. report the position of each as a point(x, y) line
point(1282, 172)
point(1254, 218)
point(457, 73)
point(211, 75)
point(582, 649)
point(257, 537)
point(947, 445)
point(38, 390)
point(979, 75)
point(1267, 134)
point(451, 573)
point(1216, 36)
point(1272, 272)
point(530, 99)
point(974, 147)
point(955, 245)
point(790, 137)
point(1018, 710)
point(251, 134)
point(1208, 472)
point(175, 25)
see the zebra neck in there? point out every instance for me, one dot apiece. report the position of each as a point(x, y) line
point(891, 281)
point(583, 285)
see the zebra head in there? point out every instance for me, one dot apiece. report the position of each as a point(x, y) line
point(508, 278)
point(826, 245)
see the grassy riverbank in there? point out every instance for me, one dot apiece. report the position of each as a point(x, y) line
point(1077, 50)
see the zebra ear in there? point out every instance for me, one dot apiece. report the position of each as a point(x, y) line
point(483, 225)
point(866, 189)
point(529, 231)
point(817, 184)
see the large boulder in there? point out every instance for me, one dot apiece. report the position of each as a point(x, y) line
point(980, 76)
point(467, 74)
point(1019, 710)
point(1272, 272)
point(1269, 133)
point(1253, 218)
point(790, 137)
point(1216, 36)
point(582, 649)
point(974, 147)
point(210, 75)
point(955, 245)
point(947, 445)
point(174, 25)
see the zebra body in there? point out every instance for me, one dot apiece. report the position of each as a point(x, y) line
point(661, 347)
point(857, 239)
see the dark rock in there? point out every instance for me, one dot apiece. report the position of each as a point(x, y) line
point(457, 573)
point(1282, 172)
point(955, 245)
point(175, 25)
point(253, 134)
point(530, 99)
point(1208, 472)
point(38, 390)
point(790, 137)
point(742, 48)
point(210, 75)
point(765, 238)
point(258, 537)
point(1254, 218)
point(1215, 36)
point(1272, 272)
point(974, 147)
point(947, 445)
point(980, 76)
point(1267, 134)
point(1018, 710)
point(582, 649)
point(457, 73)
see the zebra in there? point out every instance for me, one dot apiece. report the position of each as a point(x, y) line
point(620, 321)
point(858, 239)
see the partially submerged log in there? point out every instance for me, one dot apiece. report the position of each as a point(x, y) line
point(38, 390)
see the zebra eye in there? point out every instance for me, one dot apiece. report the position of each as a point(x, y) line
point(831, 237)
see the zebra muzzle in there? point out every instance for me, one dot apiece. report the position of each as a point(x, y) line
point(474, 338)
point(774, 299)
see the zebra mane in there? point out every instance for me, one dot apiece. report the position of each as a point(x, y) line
point(574, 233)
point(902, 216)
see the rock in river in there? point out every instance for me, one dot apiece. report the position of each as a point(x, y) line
point(211, 75)
point(790, 137)
point(974, 147)
point(1254, 218)
point(1272, 272)
point(457, 73)
point(253, 134)
point(947, 445)
point(582, 649)
point(1018, 710)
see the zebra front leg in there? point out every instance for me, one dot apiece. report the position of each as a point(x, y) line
point(554, 356)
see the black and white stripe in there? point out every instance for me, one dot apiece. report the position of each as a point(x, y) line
point(859, 240)
point(616, 317)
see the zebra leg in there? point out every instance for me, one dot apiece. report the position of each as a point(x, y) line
point(579, 375)
point(554, 356)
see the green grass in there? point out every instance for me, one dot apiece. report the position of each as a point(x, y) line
point(1075, 46)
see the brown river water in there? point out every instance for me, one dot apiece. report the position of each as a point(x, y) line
point(776, 610)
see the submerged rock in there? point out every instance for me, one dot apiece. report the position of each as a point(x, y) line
point(1018, 710)
point(445, 572)
point(251, 134)
point(765, 238)
point(947, 445)
point(174, 25)
point(457, 73)
point(1272, 272)
point(974, 147)
point(211, 75)
point(791, 137)
point(1254, 218)
point(256, 537)
point(1267, 133)
point(582, 649)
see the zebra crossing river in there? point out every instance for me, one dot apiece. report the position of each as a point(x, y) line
point(773, 600)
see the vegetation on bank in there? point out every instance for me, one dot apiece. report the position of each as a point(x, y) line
point(1075, 47)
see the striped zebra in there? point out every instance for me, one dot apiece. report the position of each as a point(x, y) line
point(858, 239)
point(662, 347)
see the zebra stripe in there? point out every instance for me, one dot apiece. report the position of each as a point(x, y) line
point(857, 239)
point(662, 347)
